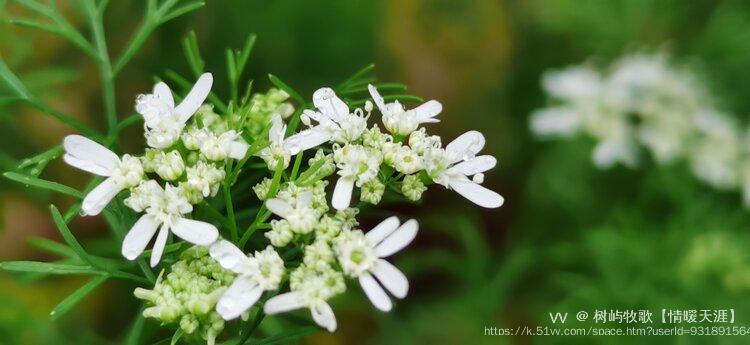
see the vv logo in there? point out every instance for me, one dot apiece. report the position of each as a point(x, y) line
point(558, 317)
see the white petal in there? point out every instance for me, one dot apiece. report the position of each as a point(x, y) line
point(382, 230)
point(88, 155)
point(283, 303)
point(398, 239)
point(99, 197)
point(195, 232)
point(238, 149)
point(466, 145)
point(379, 101)
point(391, 278)
point(427, 111)
point(329, 104)
point(159, 244)
point(374, 292)
point(476, 193)
point(137, 239)
point(305, 199)
point(474, 165)
point(307, 139)
point(164, 93)
point(323, 316)
point(563, 121)
point(229, 256)
point(240, 296)
point(342, 193)
point(276, 133)
point(279, 207)
point(195, 97)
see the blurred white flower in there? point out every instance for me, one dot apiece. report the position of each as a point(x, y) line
point(715, 158)
point(575, 84)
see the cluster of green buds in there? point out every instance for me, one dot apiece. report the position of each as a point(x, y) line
point(264, 105)
point(187, 295)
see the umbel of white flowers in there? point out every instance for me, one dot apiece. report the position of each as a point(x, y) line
point(332, 247)
point(165, 207)
point(359, 151)
point(358, 254)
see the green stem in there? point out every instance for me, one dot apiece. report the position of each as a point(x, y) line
point(295, 168)
point(230, 213)
point(105, 66)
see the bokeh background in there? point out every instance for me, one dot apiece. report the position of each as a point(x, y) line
point(570, 237)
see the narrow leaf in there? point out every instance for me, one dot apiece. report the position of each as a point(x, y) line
point(69, 302)
point(51, 246)
point(68, 236)
point(281, 85)
point(42, 184)
point(47, 267)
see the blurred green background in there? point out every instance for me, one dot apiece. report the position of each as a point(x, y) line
point(569, 237)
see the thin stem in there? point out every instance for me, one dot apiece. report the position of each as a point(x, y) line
point(230, 213)
point(295, 168)
point(105, 67)
point(257, 319)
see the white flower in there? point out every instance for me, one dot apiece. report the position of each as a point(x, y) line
point(280, 234)
point(302, 217)
point(372, 191)
point(87, 155)
point(163, 120)
point(616, 141)
point(357, 165)
point(318, 255)
point(335, 123)
point(227, 145)
point(715, 158)
point(276, 154)
point(141, 196)
point(420, 142)
point(557, 121)
point(255, 274)
point(406, 161)
point(361, 256)
point(399, 121)
point(204, 177)
point(194, 137)
point(169, 166)
point(574, 84)
point(452, 166)
point(166, 209)
point(311, 289)
point(412, 187)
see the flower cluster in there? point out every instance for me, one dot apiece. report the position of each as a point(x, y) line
point(366, 158)
point(188, 157)
point(188, 294)
point(643, 102)
point(311, 248)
